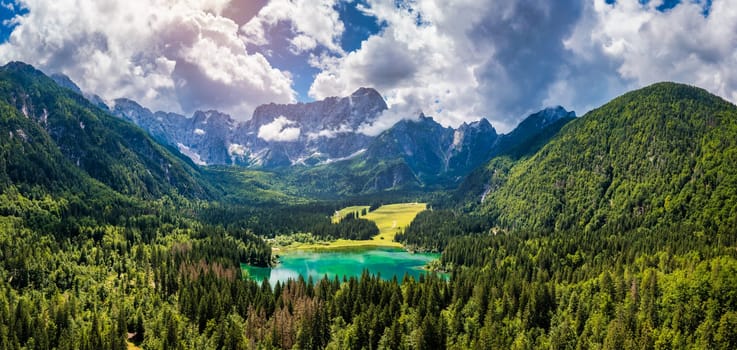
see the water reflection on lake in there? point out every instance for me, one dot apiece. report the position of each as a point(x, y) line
point(388, 262)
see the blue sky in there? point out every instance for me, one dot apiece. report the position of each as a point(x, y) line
point(8, 11)
point(455, 60)
point(359, 26)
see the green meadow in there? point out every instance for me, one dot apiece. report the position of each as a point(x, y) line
point(391, 219)
point(340, 214)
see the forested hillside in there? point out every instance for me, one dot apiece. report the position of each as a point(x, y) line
point(55, 139)
point(618, 234)
point(661, 156)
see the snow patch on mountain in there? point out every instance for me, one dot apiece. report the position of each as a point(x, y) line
point(257, 158)
point(235, 149)
point(330, 133)
point(191, 154)
point(351, 156)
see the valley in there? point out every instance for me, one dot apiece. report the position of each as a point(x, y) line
point(613, 230)
point(381, 254)
point(389, 219)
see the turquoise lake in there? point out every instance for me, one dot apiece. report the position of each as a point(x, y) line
point(388, 262)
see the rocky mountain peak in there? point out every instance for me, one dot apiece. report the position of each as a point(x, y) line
point(368, 96)
point(364, 91)
point(127, 106)
point(213, 117)
point(64, 81)
point(549, 115)
point(22, 67)
point(482, 125)
point(333, 113)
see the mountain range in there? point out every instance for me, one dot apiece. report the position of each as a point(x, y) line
point(276, 136)
point(615, 230)
point(661, 153)
point(328, 135)
point(58, 138)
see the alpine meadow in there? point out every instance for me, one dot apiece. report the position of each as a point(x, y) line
point(368, 174)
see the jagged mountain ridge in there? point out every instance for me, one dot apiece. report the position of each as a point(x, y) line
point(54, 139)
point(433, 151)
point(413, 153)
point(205, 133)
point(276, 135)
point(423, 155)
point(315, 133)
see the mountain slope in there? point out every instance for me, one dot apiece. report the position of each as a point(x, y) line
point(534, 132)
point(55, 138)
point(662, 155)
point(281, 135)
point(205, 137)
point(433, 151)
point(278, 135)
point(525, 140)
point(423, 155)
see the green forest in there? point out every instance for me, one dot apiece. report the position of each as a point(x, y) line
point(620, 233)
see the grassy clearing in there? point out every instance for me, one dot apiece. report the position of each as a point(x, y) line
point(391, 219)
point(340, 214)
point(338, 244)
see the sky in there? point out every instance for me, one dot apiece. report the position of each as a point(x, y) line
point(455, 60)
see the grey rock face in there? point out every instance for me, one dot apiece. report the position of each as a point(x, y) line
point(310, 133)
point(204, 137)
point(432, 151)
point(421, 151)
point(276, 136)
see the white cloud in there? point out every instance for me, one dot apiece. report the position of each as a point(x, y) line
point(168, 55)
point(462, 60)
point(644, 45)
point(457, 61)
point(8, 5)
point(302, 43)
point(416, 67)
point(279, 130)
point(312, 21)
point(235, 149)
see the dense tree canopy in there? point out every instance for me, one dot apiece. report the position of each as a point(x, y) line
point(619, 234)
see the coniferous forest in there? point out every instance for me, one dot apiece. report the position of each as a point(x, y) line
point(619, 233)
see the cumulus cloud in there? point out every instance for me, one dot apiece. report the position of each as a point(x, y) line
point(642, 45)
point(8, 5)
point(313, 21)
point(302, 43)
point(235, 149)
point(279, 130)
point(456, 61)
point(242, 11)
point(463, 60)
point(168, 55)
